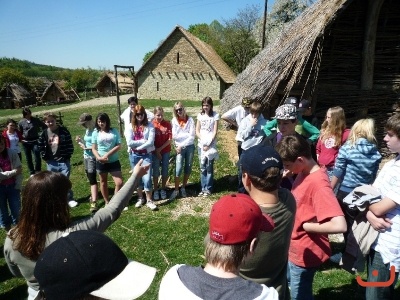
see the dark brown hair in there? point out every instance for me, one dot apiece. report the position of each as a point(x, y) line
point(293, 146)
point(44, 208)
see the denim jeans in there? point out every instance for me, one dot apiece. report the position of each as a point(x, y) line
point(9, 199)
point(63, 167)
point(185, 157)
point(145, 183)
point(375, 262)
point(163, 162)
point(29, 148)
point(301, 281)
point(207, 174)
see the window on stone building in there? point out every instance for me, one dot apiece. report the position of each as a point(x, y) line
point(158, 86)
point(198, 87)
point(177, 58)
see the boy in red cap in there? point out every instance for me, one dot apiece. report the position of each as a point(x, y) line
point(234, 225)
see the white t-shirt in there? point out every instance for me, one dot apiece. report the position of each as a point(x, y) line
point(207, 124)
point(388, 242)
point(238, 113)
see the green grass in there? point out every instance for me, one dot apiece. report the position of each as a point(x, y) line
point(161, 239)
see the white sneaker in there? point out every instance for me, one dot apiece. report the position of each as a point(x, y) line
point(335, 258)
point(200, 194)
point(156, 195)
point(125, 208)
point(151, 205)
point(174, 195)
point(163, 194)
point(139, 203)
point(72, 203)
point(183, 192)
point(206, 193)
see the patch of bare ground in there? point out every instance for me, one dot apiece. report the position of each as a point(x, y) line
point(200, 206)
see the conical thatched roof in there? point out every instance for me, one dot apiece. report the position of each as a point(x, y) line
point(286, 57)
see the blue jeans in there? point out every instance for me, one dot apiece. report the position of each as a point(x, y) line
point(375, 262)
point(185, 157)
point(9, 198)
point(63, 167)
point(145, 183)
point(206, 174)
point(29, 148)
point(301, 281)
point(164, 165)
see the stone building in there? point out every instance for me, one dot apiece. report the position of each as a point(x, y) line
point(184, 68)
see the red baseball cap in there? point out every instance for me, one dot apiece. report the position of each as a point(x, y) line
point(236, 219)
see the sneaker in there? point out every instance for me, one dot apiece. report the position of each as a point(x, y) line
point(336, 258)
point(183, 192)
point(72, 203)
point(174, 195)
point(163, 194)
point(200, 194)
point(156, 196)
point(151, 205)
point(125, 208)
point(93, 207)
point(140, 202)
point(206, 193)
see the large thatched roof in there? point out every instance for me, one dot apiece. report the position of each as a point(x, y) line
point(286, 57)
point(205, 50)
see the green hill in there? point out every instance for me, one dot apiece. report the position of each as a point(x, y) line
point(31, 69)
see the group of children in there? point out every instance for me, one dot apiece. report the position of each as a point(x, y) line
point(272, 155)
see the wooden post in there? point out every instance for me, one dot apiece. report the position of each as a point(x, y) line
point(368, 54)
point(264, 25)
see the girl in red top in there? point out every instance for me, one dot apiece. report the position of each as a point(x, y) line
point(333, 135)
point(13, 137)
point(162, 143)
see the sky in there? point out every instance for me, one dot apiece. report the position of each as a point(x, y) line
point(100, 34)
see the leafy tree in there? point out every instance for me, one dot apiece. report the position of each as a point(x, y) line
point(203, 32)
point(83, 78)
point(239, 37)
point(147, 56)
point(8, 76)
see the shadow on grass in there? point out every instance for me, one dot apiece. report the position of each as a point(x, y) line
point(347, 291)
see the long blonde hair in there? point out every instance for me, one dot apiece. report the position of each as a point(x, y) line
point(363, 128)
point(335, 127)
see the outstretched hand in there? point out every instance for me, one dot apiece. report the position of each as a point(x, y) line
point(140, 169)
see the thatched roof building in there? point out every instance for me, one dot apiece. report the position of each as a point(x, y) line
point(53, 94)
point(15, 96)
point(106, 85)
point(338, 52)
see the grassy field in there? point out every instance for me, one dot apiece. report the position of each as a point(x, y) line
point(173, 234)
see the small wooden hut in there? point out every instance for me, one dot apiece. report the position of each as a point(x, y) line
point(337, 53)
point(53, 94)
point(107, 85)
point(15, 96)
